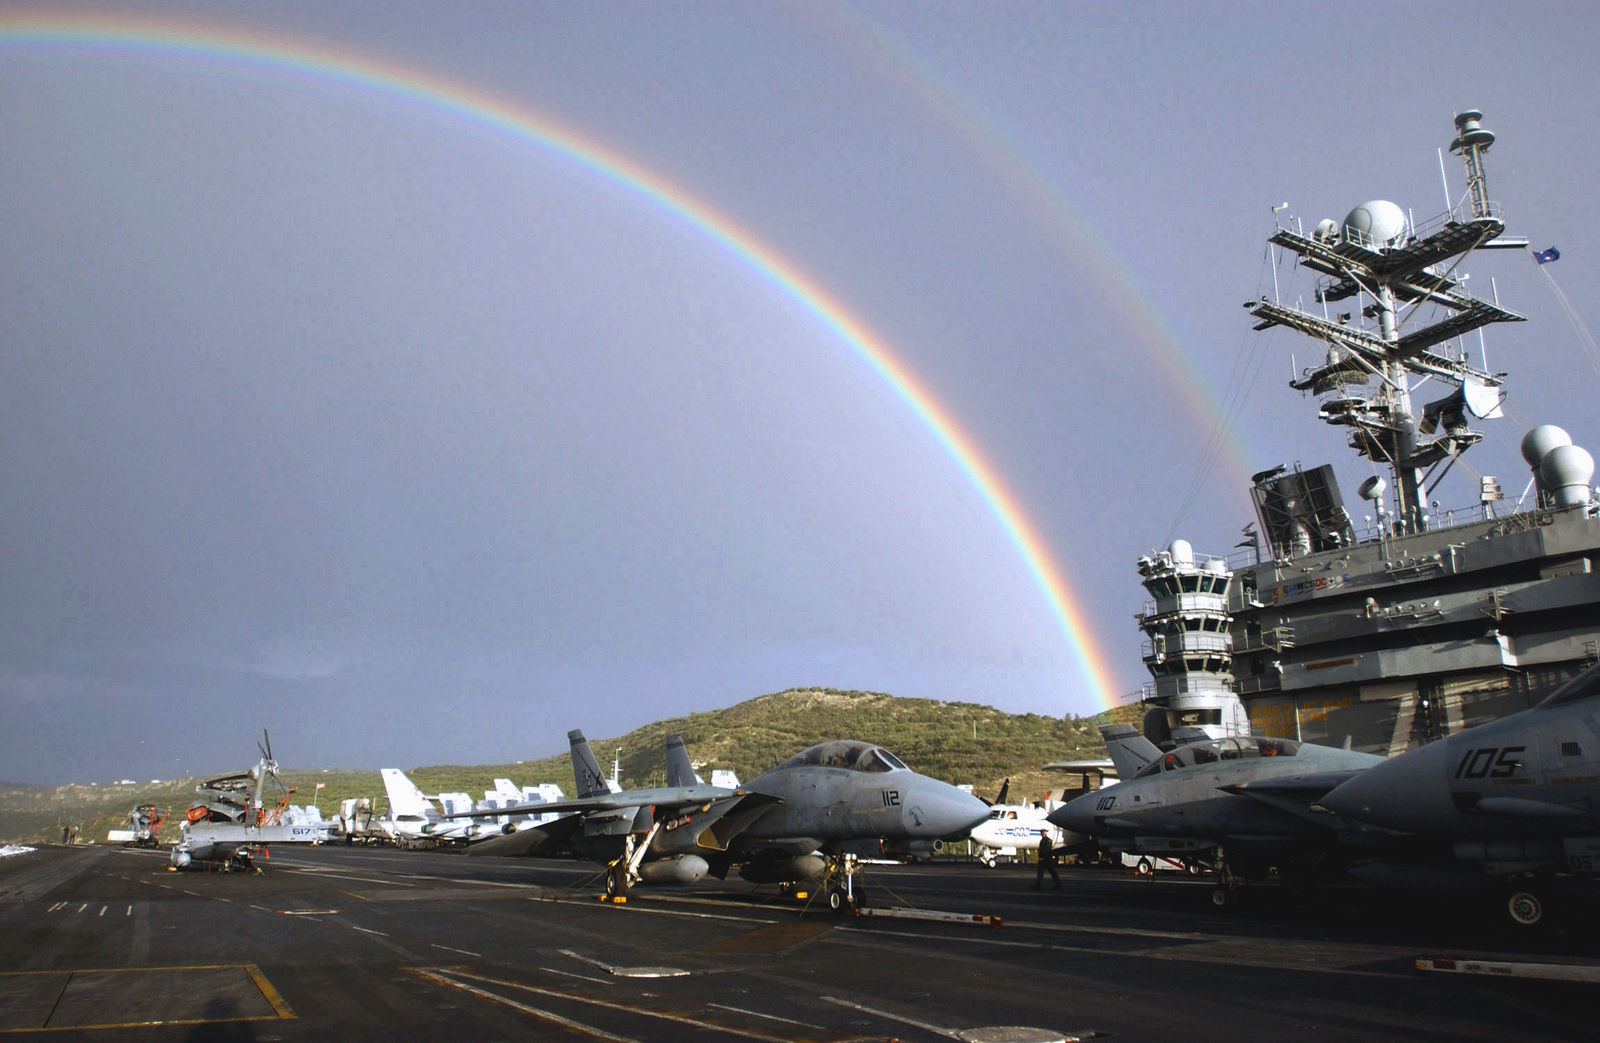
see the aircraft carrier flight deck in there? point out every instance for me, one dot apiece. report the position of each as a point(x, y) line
point(353, 943)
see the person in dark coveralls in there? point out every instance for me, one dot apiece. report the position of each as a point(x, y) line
point(1047, 860)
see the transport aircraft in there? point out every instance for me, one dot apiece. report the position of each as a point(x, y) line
point(1011, 828)
point(808, 819)
point(414, 820)
point(1244, 805)
point(1515, 799)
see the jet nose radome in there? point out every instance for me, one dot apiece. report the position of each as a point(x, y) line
point(935, 809)
point(1076, 815)
point(1409, 793)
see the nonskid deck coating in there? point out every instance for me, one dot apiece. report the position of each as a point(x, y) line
point(376, 944)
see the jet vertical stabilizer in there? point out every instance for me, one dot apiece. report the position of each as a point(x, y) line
point(405, 798)
point(1129, 750)
point(585, 769)
point(679, 771)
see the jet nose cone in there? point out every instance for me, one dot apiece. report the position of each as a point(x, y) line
point(1076, 815)
point(1409, 793)
point(937, 809)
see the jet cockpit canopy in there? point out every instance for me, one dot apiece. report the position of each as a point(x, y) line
point(1234, 748)
point(846, 753)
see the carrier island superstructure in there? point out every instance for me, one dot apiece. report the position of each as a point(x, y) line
point(1419, 622)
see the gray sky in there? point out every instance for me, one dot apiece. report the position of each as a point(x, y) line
point(323, 411)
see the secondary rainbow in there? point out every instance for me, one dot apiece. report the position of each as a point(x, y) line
point(456, 102)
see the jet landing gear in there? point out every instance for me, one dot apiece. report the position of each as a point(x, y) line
point(621, 874)
point(841, 883)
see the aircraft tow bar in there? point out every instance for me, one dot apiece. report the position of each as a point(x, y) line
point(932, 914)
point(1504, 969)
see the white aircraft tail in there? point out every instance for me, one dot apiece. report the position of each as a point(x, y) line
point(1129, 750)
point(404, 796)
point(504, 789)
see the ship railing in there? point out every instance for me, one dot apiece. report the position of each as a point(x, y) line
point(1185, 605)
point(1274, 638)
point(1186, 642)
point(1215, 684)
point(1459, 214)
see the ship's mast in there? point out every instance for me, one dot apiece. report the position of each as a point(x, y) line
point(1391, 269)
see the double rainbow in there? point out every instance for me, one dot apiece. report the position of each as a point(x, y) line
point(497, 117)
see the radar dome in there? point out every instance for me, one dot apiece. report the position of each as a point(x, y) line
point(1377, 222)
point(1566, 470)
point(1542, 439)
point(1182, 553)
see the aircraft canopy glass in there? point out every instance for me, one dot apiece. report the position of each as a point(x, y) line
point(845, 753)
point(1585, 686)
point(1215, 750)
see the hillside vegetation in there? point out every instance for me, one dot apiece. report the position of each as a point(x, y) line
point(957, 742)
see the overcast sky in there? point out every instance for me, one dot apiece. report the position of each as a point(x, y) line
point(324, 411)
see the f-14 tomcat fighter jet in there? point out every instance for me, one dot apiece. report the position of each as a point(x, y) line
point(807, 818)
point(1516, 798)
point(1251, 800)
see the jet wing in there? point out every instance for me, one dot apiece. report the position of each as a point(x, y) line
point(1296, 794)
point(1308, 786)
point(608, 802)
point(530, 840)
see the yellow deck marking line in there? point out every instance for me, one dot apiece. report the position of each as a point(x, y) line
point(271, 994)
point(281, 1009)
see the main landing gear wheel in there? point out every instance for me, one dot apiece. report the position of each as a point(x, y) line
point(1146, 867)
point(617, 879)
point(1525, 907)
point(1219, 897)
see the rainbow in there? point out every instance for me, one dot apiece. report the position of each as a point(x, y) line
point(497, 117)
point(1058, 207)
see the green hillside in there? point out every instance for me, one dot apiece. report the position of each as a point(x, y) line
point(958, 742)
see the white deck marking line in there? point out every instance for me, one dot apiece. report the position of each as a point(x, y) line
point(262, 908)
point(769, 1017)
point(129, 912)
point(348, 876)
point(1190, 954)
point(53, 908)
point(682, 1019)
point(364, 930)
point(82, 907)
point(102, 911)
point(590, 960)
point(699, 916)
point(580, 977)
point(544, 1015)
point(463, 952)
point(935, 1029)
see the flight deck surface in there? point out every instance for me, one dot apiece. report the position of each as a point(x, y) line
point(105, 943)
